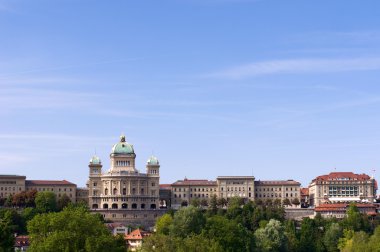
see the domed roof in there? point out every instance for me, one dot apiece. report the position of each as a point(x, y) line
point(153, 161)
point(95, 160)
point(122, 147)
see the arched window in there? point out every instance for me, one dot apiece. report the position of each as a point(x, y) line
point(94, 206)
point(105, 206)
point(134, 206)
point(124, 206)
point(124, 191)
point(142, 191)
point(106, 191)
point(142, 206)
point(114, 191)
point(153, 206)
point(114, 206)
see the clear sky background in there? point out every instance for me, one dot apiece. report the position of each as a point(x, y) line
point(278, 89)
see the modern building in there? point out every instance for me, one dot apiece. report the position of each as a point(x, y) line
point(122, 193)
point(342, 187)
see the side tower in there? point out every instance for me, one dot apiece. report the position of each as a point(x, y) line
point(153, 173)
point(94, 182)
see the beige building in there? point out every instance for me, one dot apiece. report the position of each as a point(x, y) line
point(123, 193)
point(236, 186)
point(342, 187)
point(58, 187)
point(277, 189)
point(184, 191)
point(12, 184)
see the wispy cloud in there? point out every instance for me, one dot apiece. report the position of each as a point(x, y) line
point(297, 66)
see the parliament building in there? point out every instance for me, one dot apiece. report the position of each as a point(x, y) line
point(123, 193)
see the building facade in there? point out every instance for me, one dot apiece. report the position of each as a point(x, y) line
point(277, 189)
point(123, 193)
point(342, 187)
point(13, 184)
point(236, 186)
point(184, 191)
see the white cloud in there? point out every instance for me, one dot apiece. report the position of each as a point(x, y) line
point(297, 66)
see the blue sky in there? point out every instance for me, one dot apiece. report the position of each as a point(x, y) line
point(275, 89)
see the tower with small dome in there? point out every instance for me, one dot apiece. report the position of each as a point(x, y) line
point(121, 192)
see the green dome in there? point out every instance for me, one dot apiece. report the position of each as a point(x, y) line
point(153, 161)
point(95, 160)
point(122, 147)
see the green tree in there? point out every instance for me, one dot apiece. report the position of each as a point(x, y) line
point(163, 224)
point(354, 219)
point(46, 202)
point(6, 234)
point(286, 202)
point(291, 236)
point(195, 202)
point(204, 203)
point(296, 202)
point(213, 206)
point(231, 235)
point(358, 243)
point(271, 238)
point(308, 235)
point(374, 241)
point(187, 221)
point(332, 236)
point(73, 229)
point(63, 202)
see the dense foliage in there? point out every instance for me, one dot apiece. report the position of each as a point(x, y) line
point(73, 229)
point(260, 226)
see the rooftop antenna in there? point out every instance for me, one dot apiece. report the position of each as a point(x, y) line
point(373, 173)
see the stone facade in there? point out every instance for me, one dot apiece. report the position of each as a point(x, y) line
point(12, 184)
point(277, 189)
point(122, 193)
point(342, 187)
point(184, 191)
point(236, 186)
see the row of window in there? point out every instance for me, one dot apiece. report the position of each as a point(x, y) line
point(9, 188)
point(123, 163)
point(192, 195)
point(131, 199)
point(7, 182)
point(125, 216)
point(124, 206)
point(196, 189)
point(274, 195)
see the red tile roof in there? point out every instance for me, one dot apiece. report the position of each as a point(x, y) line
point(341, 207)
point(342, 175)
point(204, 182)
point(304, 191)
point(47, 182)
point(137, 234)
point(165, 186)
